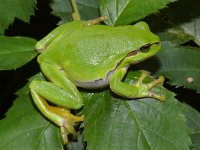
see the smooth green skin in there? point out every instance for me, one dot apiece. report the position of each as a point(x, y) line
point(89, 56)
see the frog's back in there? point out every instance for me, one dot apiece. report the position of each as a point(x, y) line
point(89, 53)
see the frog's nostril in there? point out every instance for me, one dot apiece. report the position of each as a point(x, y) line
point(158, 43)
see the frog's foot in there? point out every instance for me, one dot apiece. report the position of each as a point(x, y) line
point(137, 90)
point(96, 21)
point(66, 122)
point(144, 89)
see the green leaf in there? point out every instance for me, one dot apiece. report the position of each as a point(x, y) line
point(175, 35)
point(193, 28)
point(11, 9)
point(89, 9)
point(167, 30)
point(113, 123)
point(16, 51)
point(76, 145)
point(181, 65)
point(25, 128)
point(193, 121)
point(190, 21)
point(122, 12)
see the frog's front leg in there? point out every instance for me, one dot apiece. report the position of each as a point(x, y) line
point(61, 92)
point(46, 41)
point(138, 90)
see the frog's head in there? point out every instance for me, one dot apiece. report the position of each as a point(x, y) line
point(146, 44)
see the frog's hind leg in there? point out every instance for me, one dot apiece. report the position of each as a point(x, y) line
point(58, 115)
point(49, 38)
point(61, 92)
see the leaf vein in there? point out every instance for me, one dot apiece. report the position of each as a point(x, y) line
point(134, 116)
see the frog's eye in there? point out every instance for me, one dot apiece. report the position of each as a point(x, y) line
point(145, 48)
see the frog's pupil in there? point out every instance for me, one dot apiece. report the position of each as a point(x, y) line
point(145, 48)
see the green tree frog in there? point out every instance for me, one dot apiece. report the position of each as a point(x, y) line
point(82, 54)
